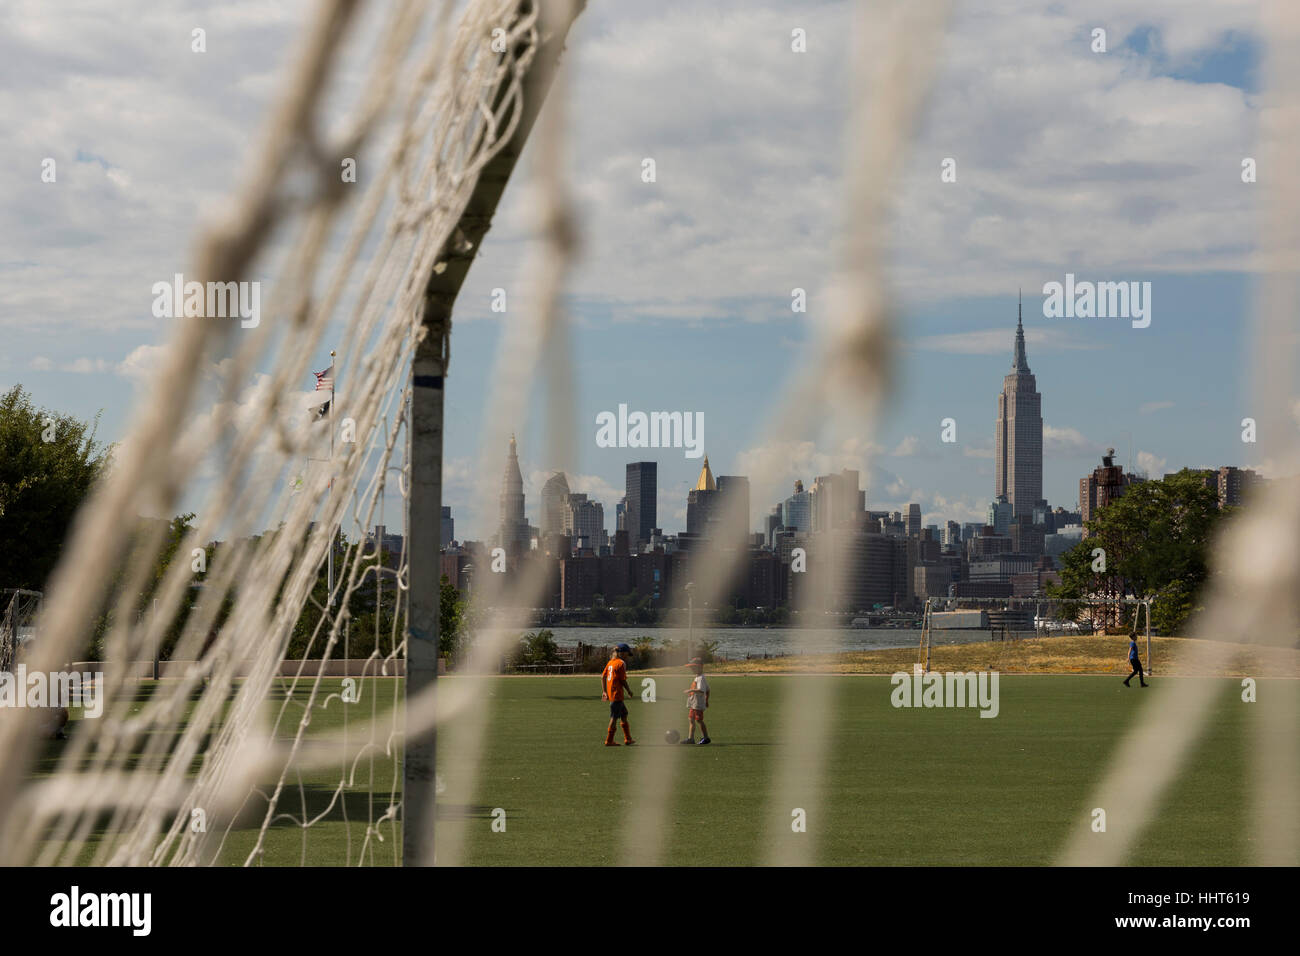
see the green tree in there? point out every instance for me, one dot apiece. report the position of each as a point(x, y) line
point(452, 612)
point(538, 648)
point(48, 464)
point(1155, 540)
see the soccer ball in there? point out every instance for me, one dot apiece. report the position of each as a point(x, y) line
point(672, 736)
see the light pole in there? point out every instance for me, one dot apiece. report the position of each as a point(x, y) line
point(690, 618)
point(157, 647)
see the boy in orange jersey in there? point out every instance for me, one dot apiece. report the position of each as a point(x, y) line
point(613, 682)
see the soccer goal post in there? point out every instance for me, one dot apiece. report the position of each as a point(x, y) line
point(967, 620)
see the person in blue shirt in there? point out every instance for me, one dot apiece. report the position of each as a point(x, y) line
point(1134, 661)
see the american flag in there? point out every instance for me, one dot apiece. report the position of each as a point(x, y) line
point(325, 380)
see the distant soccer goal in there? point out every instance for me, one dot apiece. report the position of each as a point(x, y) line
point(19, 609)
point(965, 620)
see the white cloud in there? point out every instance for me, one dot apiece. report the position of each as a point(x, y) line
point(142, 363)
point(911, 447)
point(1149, 407)
point(87, 366)
point(1151, 464)
point(1068, 443)
point(77, 366)
point(750, 194)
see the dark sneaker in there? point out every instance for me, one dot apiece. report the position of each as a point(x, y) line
point(688, 740)
point(706, 740)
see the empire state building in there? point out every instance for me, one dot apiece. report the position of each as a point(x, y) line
point(1019, 452)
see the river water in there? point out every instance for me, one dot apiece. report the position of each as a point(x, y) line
point(739, 642)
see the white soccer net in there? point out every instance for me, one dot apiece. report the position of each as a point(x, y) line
point(163, 779)
point(439, 96)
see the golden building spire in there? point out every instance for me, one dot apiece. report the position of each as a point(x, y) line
point(706, 482)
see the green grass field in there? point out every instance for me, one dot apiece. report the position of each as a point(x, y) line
point(905, 786)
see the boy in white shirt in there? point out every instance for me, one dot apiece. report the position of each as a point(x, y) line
point(697, 698)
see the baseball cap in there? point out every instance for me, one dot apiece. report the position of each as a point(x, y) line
point(624, 648)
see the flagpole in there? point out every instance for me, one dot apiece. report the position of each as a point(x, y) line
point(329, 574)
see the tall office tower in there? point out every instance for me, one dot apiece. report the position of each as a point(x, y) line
point(836, 501)
point(642, 493)
point(796, 511)
point(733, 510)
point(1018, 458)
point(1000, 515)
point(513, 529)
point(849, 499)
point(448, 527)
point(914, 521)
point(553, 494)
point(701, 502)
point(952, 535)
point(819, 503)
point(770, 525)
point(584, 522)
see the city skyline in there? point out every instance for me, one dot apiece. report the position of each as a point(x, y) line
point(1018, 457)
point(650, 325)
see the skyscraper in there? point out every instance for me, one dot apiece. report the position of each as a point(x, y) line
point(1019, 454)
point(835, 501)
point(1000, 515)
point(732, 516)
point(796, 511)
point(553, 507)
point(513, 530)
point(448, 527)
point(642, 493)
point(584, 522)
point(701, 502)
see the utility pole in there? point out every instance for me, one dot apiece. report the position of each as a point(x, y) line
point(428, 373)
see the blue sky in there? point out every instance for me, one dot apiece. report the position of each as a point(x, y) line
point(1124, 165)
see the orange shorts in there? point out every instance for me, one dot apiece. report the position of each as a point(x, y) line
point(694, 714)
